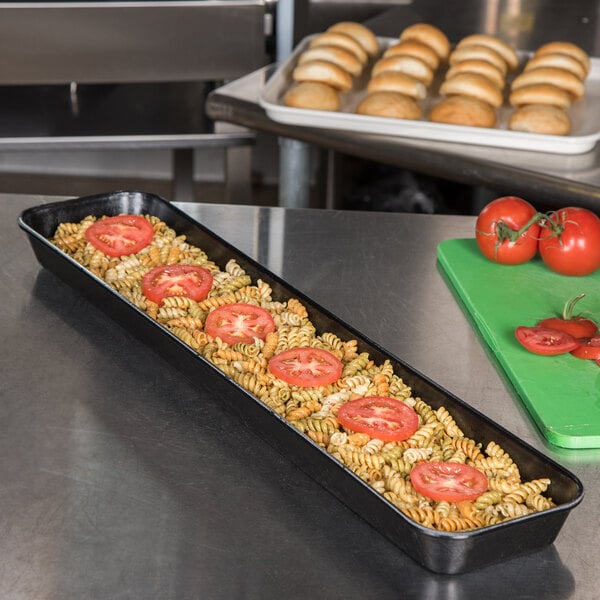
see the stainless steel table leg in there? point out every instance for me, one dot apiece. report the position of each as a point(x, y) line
point(183, 175)
point(294, 173)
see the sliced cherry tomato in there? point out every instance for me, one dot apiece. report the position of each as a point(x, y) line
point(588, 348)
point(235, 323)
point(306, 367)
point(549, 342)
point(507, 231)
point(570, 241)
point(577, 326)
point(177, 280)
point(120, 235)
point(448, 481)
point(380, 417)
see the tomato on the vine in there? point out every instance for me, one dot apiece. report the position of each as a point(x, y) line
point(541, 340)
point(448, 481)
point(507, 230)
point(570, 241)
point(575, 325)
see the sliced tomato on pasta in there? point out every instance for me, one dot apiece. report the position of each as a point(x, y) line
point(120, 235)
point(177, 280)
point(448, 481)
point(306, 367)
point(235, 323)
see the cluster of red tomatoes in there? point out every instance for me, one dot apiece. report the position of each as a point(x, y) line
point(558, 335)
point(510, 231)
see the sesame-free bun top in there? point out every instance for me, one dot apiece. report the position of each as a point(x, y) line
point(463, 110)
point(389, 104)
point(396, 81)
point(541, 93)
point(478, 52)
point(504, 49)
point(428, 34)
point(410, 65)
point(362, 34)
point(416, 49)
point(335, 38)
point(334, 54)
point(473, 85)
point(559, 60)
point(566, 48)
point(482, 67)
point(323, 72)
point(312, 95)
point(540, 118)
point(558, 77)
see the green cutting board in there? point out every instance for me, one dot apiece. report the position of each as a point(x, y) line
point(562, 393)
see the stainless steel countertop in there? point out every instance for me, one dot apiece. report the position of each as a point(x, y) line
point(119, 479)
point(551, 179)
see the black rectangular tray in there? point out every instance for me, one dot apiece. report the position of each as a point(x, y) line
point(441, 552)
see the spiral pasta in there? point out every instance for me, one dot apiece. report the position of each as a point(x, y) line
point(385, 466)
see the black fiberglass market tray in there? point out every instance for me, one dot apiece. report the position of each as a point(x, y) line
point(440, 551)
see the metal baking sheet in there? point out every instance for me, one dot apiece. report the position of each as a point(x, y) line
point(584, 114)
point(441, 552)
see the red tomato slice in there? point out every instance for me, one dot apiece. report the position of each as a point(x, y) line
point(549, 342)
point(306, 367)
point(588, 348)
point(578, 327)
point(235, 323)
point(448, 481)
point(120, 235)
point(380, 417)
point(177, 280)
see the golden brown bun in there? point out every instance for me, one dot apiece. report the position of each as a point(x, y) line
point(504, 49)
point(428, 34)
point(542, 93)
point(556, 59)
point(566, 48)
point(334, 54)
point(334, 38)
point(363, 35)
point(478, 52)
point(410, 65)
point(389, 104)
point(323, 72)
point(463, 110)
point(538, 118)
point(396, 81)
point(416, 49)
point(558, 77)
point(473, 85)
point(482, 67)
point(312, 95)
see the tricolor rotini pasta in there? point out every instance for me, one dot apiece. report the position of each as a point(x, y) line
point(384, 465)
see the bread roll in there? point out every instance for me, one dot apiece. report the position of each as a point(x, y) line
point(362, 34)
point(410, 65)
point(396, 81)
point(566, 48)
point(478, 52)
point(430, 35)
point(334, 54)
point(538, 118)
point(504, 49)
point(463, 110)
point(556, 59)
point(334, 38)
point(312, 95)
point(389, 104)
point(482, 67)
point(416, 49)
point(554, 76)
point(542, 93)
point(323, 72)
point(473, 85)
